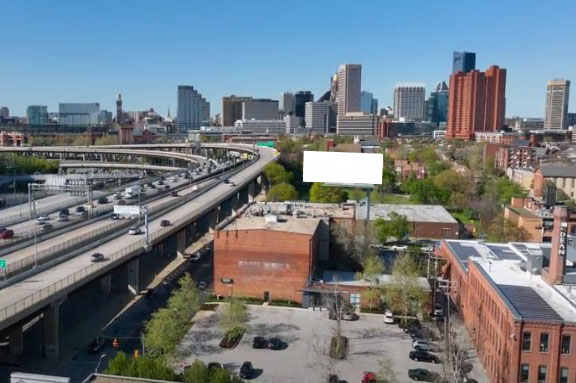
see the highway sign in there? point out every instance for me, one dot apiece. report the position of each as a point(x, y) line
point(268, 144)
point(126, 210)
point(2, 264)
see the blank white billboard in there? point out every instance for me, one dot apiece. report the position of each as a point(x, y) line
point(343, 168)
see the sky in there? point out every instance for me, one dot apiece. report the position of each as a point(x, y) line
point(87, 51)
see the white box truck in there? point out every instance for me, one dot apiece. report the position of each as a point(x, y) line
point(133, 191)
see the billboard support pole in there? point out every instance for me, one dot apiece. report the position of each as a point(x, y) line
point(367, 204)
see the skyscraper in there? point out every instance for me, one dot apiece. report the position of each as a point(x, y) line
point(437, 104)
point(349, 88)
point(368, 104)
point(260, 109)
point(318, 116)
point(232, 109)
point(78, 113)
point(557, 97)
point(119, 117)
point(4, 113)
point(193, 109)
point(409, 102)
point(463, 62)
point(37, 114)
point(287, 103)
point(476, 102)
point(300, 100)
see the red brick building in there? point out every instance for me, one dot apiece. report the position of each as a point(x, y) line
point(267, 259)
point(476, 102)
point(407, 168)
point(517, 304)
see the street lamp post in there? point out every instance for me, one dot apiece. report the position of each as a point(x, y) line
point(99, 361)
point(229, 282)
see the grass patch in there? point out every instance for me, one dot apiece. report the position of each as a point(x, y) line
point(231, 342)
point(339, 347)
point(284, 303)
point(250, 300)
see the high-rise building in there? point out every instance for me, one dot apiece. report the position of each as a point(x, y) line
point(300, 100)
point(232, 109)
point(477, 102)
point(193, 109)
point(349, 88)
point(78, 113)
point(260, 109)
point(37, 114)
point(409, 102)
point(557, 97)
point(4, 113)
point(357, 124)
point(318, 116)
point(287, 103)
point(463, 62)
point(437, 104)
point(105, 117)
point(119, 117)
point(368, 104)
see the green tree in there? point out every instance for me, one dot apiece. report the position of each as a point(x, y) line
point(388, 179)
point(197, 373)
point(119, 364)
point(502, 230)
point(372, 269)
point(326, 194)
point(82, 141)
point(405, 291)
point(397, 226)
point(426, 192)
point(144, 367)
point(234, 319)
point(108, 140)
point(277, 174)
point(185, 301)
point(282, 192)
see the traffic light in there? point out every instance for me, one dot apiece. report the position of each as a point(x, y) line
point(115, 343)
point(136, 353)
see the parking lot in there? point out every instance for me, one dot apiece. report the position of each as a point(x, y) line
point(306, 334)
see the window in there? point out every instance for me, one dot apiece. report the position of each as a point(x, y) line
point(445, 233)
point(563, 375)
point(526, 341)
point(566, 344)
point(544, 342)
point(524, 373)
point(542, 374)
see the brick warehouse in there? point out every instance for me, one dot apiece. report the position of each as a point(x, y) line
point(271, 258)
point(517, 303)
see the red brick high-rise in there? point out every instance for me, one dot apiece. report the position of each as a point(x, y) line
point(477, 102)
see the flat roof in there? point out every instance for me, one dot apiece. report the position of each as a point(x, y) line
point(523, 212)
point(527, 295)
point(414, 213)
point(284, 224)
point(348, 278)
point(303, 209)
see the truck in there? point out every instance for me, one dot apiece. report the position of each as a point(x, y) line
point(133, 191)
point(195, 188)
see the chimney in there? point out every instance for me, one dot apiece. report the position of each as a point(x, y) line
point(555, 273)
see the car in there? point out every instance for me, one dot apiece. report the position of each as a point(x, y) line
point(80, 209)
point(333, 378)
point(115, 217)
point(421, 344)
point(427, 249)
point(246, 371)
point(423, 356)
point(135, 230)
point(368, 377)
point(398, 247)
point(97, 257)
point(213, 366)
point(274, 344)
point(46, 228)
point(259, 342)
point(202, 285)
point(63, 218)
point(166, 187)
point(173, 179)
point(64, 212)
point(102, 200)
point(349, 316)
point(7, 234)
point(152, 186)
point(121, 203)
point(226, 181)
point(438, 310)
point(422, 374)
point(174, 193)
point(160, 182)
point(2, 228)
point(117, 196)
point(150, 293)
point(165, 223)
point(389, 317)
point(96, 345)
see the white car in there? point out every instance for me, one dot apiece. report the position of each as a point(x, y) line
point(134, 231)
point(427, 249)
point(389, 317)
point(399, 247)
point(40, 221)
point(421, 344)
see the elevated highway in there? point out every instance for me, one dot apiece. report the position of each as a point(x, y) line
point(117, 165)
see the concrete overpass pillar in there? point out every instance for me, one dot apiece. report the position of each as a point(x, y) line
point(16, 335)
point(252, 191)
point(52, 330)
point(180, 243)
point(106, 283)
point(134, 276)
point(213, 219)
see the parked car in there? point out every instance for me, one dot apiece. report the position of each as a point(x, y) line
point(421, 374)
point(165, 223)
point(259, 342)
point(135, 230)
point(96, 345)
point(152, 186)
point(398, 247)
point(64, 212)
point(7, 234)
point(102, 200)
point(213, 366)
point(46, 228)
point(97, 257)
point(173, 179)
point(246, 371)
point(421, 344)
point(438, 310)
point(63, 218)
point(368, 377)
point(174, 193)
point(202, 285)
point(349, 316)
point(423, 356)
point(274, 344)
point(389, 317)
point(80, 209)
point(333, 378)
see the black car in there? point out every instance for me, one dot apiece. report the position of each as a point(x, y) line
point(274, 344)
point(166, 187)
point(165, 223)
point(213, 366)
point(115, 217)
point(246, 370)
point(64, 212)
point(97, 257)
point(97, 344)
point(102, 200)
point(421, 374)
point(423, 356)
point(174, 194)
point(80, 209)
point(332, 378)
point(259, 342)
point(150, 293)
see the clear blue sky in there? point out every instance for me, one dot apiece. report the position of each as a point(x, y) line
point(87, 51)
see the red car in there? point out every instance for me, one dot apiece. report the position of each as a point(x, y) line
point(369, 377)
point(6, 234)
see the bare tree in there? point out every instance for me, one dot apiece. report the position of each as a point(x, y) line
point(338, 307)
point(386, 373)
point(320, 356)
point(356, 240)
point(456, 364)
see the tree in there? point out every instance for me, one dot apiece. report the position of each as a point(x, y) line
point(107, 140)
point(425, 192)
point(388, 179)
point(282, 192)
point(144, 367)
point(276, 174)
point(119, 364)
point(326, 194)
point(397, 226)
point(355, 240)
point(456, 365)
point(502, 230)
point(372, 269)
point(82, 141)
point(197, 373)
point(185, 301)
point(234, 319)
point(405, 289)
point(386, 373)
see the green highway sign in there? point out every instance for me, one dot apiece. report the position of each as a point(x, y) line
point(269, 144)
point(2, 264)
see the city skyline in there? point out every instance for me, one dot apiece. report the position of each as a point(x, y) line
point(48, 64)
